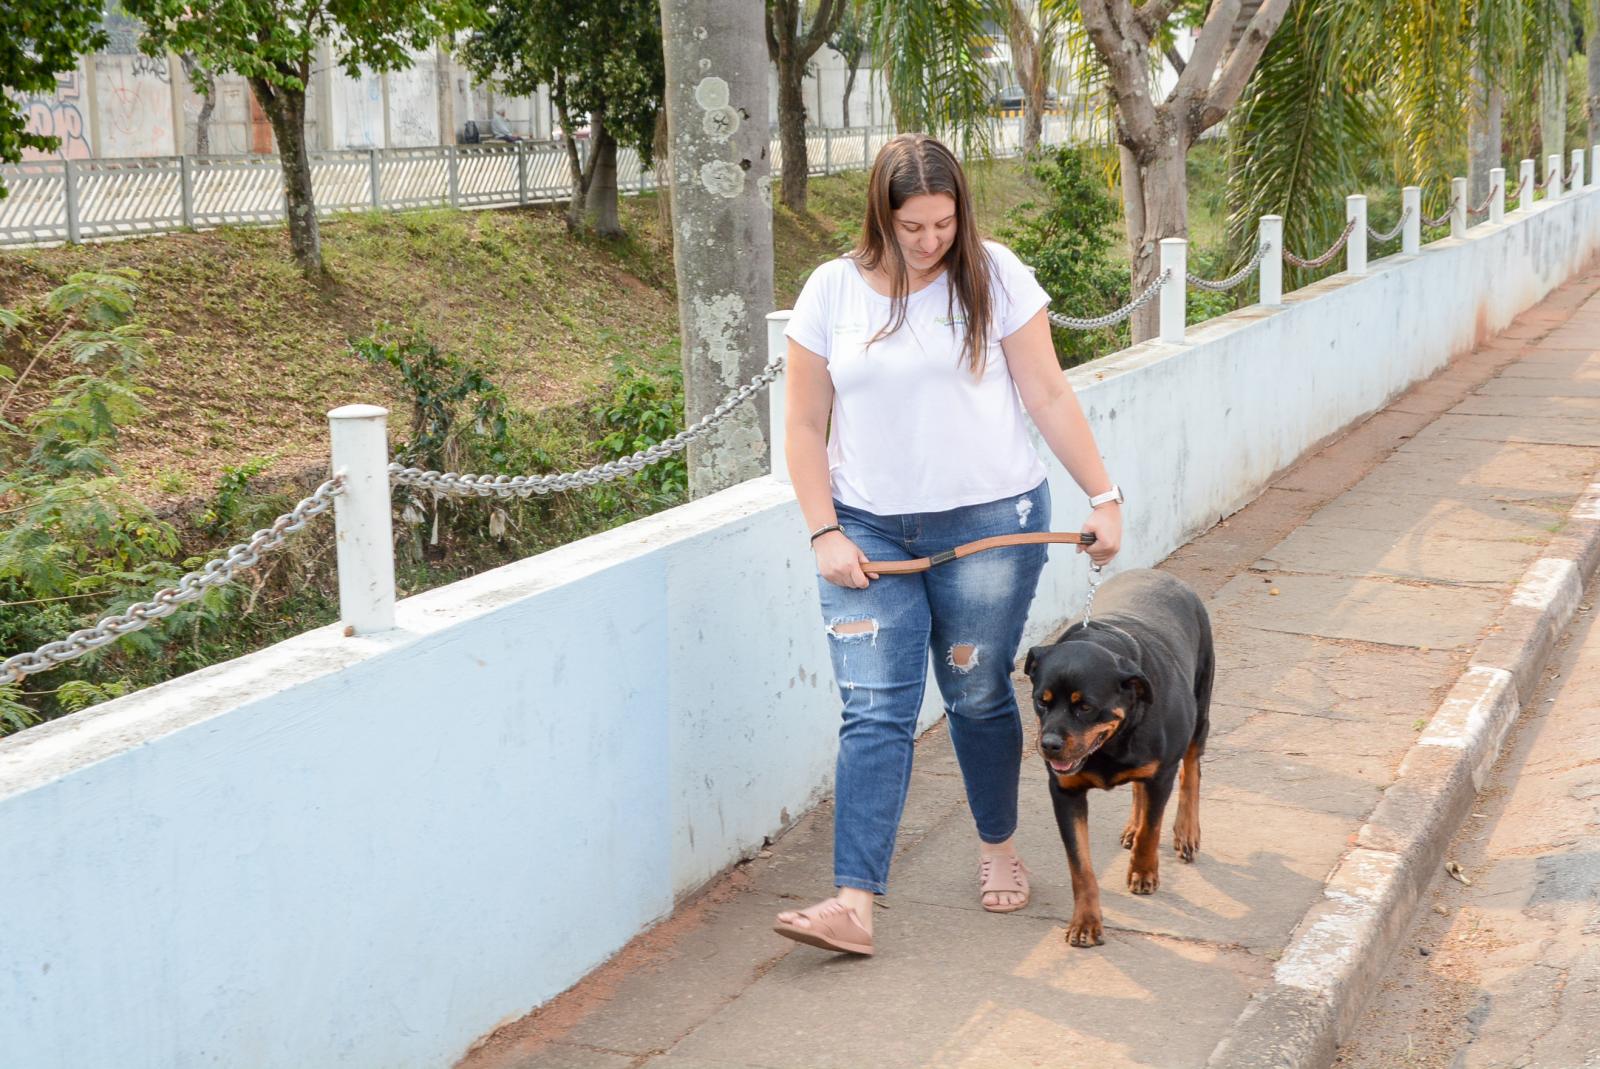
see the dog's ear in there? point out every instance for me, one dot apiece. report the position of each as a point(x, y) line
point(1138, 686)
point(1032, 662)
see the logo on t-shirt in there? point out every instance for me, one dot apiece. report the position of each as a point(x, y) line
point(950, 321)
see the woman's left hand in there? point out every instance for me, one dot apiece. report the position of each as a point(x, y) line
point(1105, 523)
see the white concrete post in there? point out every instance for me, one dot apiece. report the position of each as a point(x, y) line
point(364, 532)
point(1458, 207)
point(375, 179)
point(1525, 185)
point(777, 348)
point(1411, 230)
point(522, 172)
point(186, 188)
point(1594, 166)
point(1552, 174)
point(69, 189)
point(1497, 203)
point(827, 149)
point(1174, 295)
point(1577, 169)
point(1355, 248)
point(1271, 281)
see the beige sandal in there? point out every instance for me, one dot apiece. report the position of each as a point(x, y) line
point(831, 925)
point(996, 875)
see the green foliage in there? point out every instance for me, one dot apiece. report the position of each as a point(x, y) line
point(231, 501)
point(38, 40)
point(1067, 239)
point(71, 540)
point(596, 56)
point(443, 389)
point(642, 410)
point(268, 41)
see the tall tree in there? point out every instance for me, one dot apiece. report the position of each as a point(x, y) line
point(601, 60)
point(790, 45)
point(716, 97)
point(273, 44)
point(1592, 50)
point(1034, 32)
point(850, 39)
point(38, 40)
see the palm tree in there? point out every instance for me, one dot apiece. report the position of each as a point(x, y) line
point(1368, 94)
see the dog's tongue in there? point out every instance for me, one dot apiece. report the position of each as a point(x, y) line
point(1066, 768)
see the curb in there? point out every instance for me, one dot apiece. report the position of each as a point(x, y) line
point(1341, 947)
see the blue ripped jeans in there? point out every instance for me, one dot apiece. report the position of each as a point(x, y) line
point(970, 613)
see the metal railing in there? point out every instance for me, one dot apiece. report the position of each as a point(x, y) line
point(84, 200)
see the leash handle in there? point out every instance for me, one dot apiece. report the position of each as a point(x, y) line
point(922, 564)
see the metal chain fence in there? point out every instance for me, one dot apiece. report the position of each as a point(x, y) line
point(1112, 318)
point(1222, 285)
point(1390, 235)
point(451, 484)
point(1484, 206)
point(1442, 219)
point(190, 588)
point(1333, 250)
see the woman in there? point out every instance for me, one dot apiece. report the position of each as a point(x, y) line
point(916, 348)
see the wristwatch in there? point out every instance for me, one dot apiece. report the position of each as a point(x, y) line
point(1113, 494)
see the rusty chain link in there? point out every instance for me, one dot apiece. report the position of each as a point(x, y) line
point(1333, 250)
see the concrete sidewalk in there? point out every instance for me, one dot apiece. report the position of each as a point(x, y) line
point(1347, 601)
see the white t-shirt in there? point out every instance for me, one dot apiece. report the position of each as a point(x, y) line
point(913, 429)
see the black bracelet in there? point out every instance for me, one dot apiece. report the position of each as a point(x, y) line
point(820, 531)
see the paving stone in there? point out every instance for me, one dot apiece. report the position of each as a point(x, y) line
point(1552, 429)
point(1260, 858)
point(1478, 516)
point(1368, 610)
point(1434, 557)
point(1319, 677)
point(1024, 998)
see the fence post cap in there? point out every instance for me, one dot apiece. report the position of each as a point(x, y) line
point(1174, 241)
point(358, 412)
point(780, 315)
point(1273, 218)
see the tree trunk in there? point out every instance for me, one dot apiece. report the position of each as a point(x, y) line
point(1156, 200)
point(792, 133)
point(1593, 46)
point(602, 195)
point(202, 124)
point(575, 163)
point(717, 107)
point(1483, 135)
point(1553, 87)
point(850, 84)
point(1026, 59)
point(661, 150)
point(286, 111)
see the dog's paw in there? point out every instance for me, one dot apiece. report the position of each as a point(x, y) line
point(1085, 930)
point(1127, 836)
point(1186, 845)
point(1143, 883)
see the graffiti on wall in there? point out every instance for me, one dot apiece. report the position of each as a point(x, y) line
point(134, 105)
point(60, 115)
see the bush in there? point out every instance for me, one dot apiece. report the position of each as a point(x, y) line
point(1066, 237)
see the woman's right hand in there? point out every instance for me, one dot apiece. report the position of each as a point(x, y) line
point(839, 560)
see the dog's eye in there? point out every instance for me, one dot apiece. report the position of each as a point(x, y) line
point(1046, 696)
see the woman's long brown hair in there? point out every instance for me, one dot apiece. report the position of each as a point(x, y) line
point(909, 166)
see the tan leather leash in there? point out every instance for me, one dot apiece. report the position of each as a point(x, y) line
point(922, 564)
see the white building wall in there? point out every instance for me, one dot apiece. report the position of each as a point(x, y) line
point(369, 852)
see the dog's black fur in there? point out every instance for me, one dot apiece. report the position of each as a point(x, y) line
point(1126, 698)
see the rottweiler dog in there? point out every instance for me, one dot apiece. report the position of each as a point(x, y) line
point(1125, 698)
